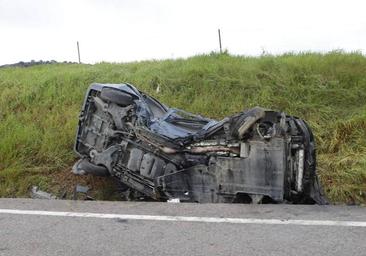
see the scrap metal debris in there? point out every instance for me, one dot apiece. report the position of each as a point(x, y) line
point(173, 200)
point(36, 193)
point(79, 189)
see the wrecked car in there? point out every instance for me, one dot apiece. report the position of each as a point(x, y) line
point(162, 153)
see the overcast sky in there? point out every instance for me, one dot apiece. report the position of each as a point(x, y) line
point(128, 30)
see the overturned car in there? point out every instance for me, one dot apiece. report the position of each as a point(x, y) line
point(162, 153)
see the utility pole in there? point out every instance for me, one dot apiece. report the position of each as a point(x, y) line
point(77, 43)
point(220, 41)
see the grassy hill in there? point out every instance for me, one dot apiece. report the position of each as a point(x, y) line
point(39, 107)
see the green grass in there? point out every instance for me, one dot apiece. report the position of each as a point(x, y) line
point(39, 107)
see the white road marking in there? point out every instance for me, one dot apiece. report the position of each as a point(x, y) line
point(189, 219)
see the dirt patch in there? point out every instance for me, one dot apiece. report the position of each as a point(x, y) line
point(63, 183)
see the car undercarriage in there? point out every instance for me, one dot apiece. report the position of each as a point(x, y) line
point(162, 153)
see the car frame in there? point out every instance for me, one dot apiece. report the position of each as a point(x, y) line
point(162, 153)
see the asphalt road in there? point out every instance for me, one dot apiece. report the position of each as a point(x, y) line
point(52, 227)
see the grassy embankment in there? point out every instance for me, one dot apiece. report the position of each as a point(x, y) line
point(39, 107)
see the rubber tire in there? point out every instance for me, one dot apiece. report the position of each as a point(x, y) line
point(116, 96)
